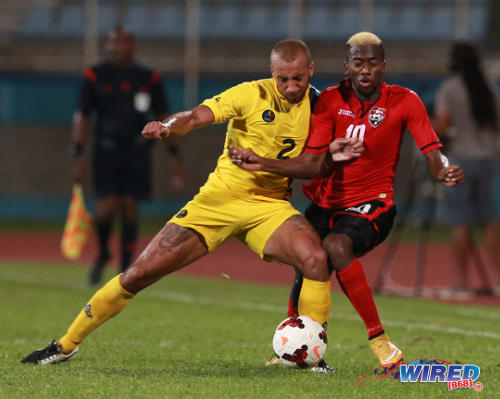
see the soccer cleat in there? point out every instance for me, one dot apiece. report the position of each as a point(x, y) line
point(49, 355)
point(273, 361)
point(322, 368)
point(95, 273)
point(385, 350)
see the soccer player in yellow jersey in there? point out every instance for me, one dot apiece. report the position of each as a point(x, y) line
point(269, 116)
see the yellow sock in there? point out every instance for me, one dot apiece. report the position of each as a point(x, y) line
point(314, 300)
point(105, 303)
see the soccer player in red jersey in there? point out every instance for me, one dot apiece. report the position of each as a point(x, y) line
point(352, 208)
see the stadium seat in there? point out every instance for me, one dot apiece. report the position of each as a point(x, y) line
point(265, 22)
point(478, 22)
point(107, 19)
point(344, 22)
point(383, 23)
point(139, 22)
point(70, 22)
point(438, 24)
point(169, 22)
point(38, 22)
point(407, 23)
point(221, 22)
point(317, 22)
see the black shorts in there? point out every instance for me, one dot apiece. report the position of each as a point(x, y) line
point(122, 168)
point(366, 224)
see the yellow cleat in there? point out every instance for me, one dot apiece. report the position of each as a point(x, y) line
point(385, 350)
point(273, 361)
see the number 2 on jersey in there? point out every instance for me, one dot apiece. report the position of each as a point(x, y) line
point(356, 131)
point(290, 146)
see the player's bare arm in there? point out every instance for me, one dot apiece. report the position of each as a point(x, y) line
point(441, 170)
point(305, 166)
point(179, 123)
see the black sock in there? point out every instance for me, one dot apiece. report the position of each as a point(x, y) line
point(129, 239)
point(103, 232)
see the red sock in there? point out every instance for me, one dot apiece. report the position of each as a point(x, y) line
point(355, 285)
point(292, 310)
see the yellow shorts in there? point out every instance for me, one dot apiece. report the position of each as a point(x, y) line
point(217, 214)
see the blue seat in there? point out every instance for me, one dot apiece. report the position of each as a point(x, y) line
point(265, 22)
point(139, 21)
point(221, 22)
point(317, 23)
point(478, 22)
point(70, 22)
point(383, 23)
point(107, 19)
point(344, 22)
point(169, 22)
point(38, 22)
point(438, 24)
point(408, 24)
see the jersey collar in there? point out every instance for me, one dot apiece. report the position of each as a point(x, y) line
point(348, 93)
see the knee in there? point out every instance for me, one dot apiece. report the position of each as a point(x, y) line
point(314, 265)
point(339, 249)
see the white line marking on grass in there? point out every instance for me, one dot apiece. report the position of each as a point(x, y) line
point(182, 297)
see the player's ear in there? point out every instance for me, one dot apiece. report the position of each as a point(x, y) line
point(346, 68)
point(311, 69)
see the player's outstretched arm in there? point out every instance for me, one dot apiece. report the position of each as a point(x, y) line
point(179, 123)
point(305, 166)
point(449, 175)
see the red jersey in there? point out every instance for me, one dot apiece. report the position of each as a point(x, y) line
point(380, 126)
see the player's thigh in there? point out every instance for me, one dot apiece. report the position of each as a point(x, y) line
point(173, 248)
point(364, 230)
point(296, 243)
point(319, 218)
point(214, 213)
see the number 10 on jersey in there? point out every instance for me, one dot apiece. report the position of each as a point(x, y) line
point(356, 131)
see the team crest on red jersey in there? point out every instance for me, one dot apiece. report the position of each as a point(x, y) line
point(376, 116)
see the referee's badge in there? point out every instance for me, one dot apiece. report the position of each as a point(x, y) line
point(142, 101)
point(268, 115)
point(376, 116)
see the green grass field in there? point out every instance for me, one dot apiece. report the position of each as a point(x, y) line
point(194, 338)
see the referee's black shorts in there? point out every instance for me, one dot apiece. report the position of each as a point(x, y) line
point(122, 168)
point(366, 224)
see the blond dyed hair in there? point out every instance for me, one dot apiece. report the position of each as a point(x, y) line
point(364, 39)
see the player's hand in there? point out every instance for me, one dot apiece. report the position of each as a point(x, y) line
point(245, 159)
point(155, 131)
point(80, 170)
point(451, 175)
point(343, 149)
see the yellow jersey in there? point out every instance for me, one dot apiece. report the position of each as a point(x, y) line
point(262, 120)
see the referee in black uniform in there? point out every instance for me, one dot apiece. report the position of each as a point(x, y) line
point(122, 94)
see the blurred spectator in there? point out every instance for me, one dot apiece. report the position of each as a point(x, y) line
point(121, 93)
point(466, 114)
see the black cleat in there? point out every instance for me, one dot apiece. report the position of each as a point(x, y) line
point(49, 355)
point(322, 368)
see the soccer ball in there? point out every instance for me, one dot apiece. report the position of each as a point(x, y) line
point(300, 342)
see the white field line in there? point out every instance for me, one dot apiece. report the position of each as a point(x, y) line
point(174, 296)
